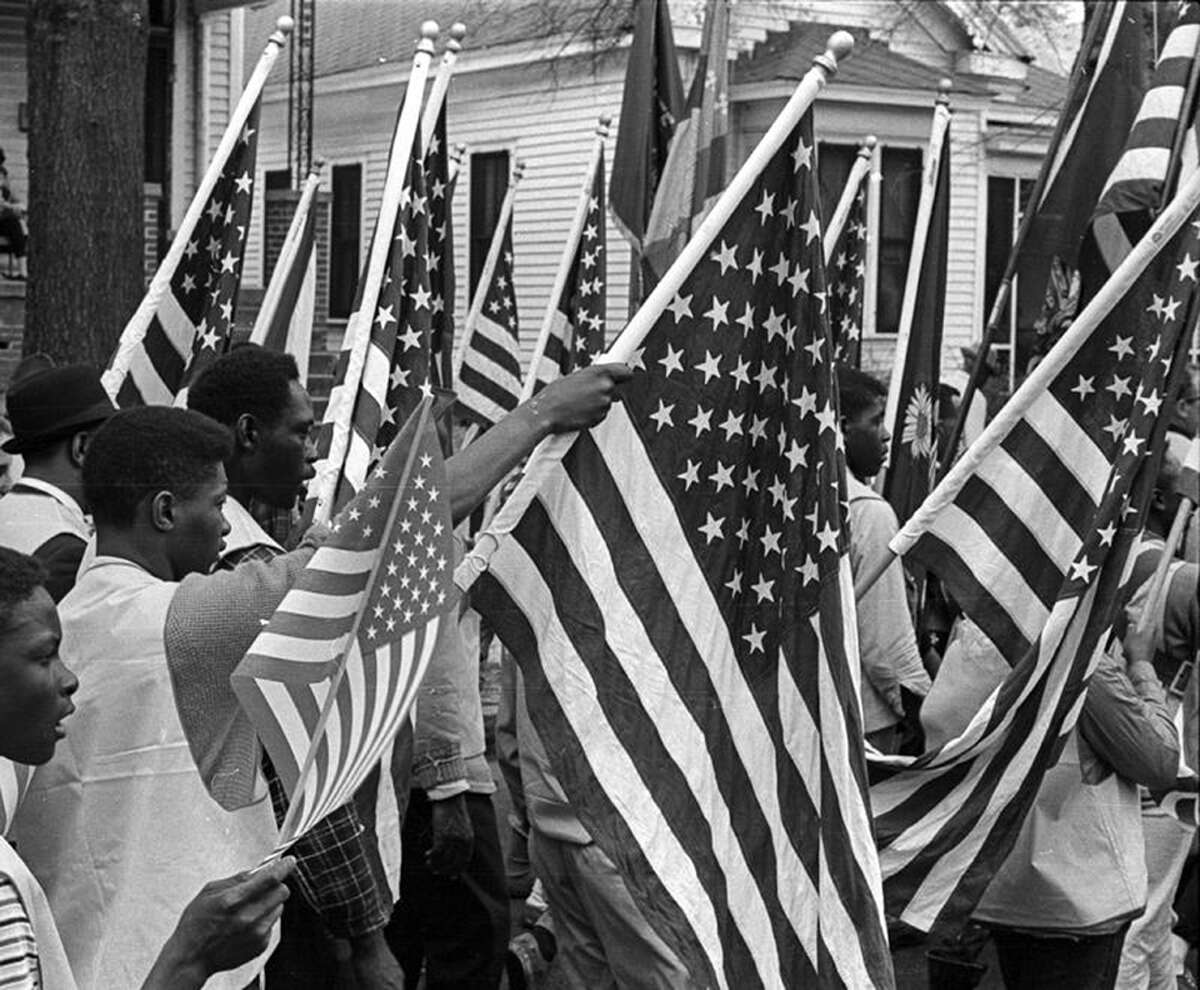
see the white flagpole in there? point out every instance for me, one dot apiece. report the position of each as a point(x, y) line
point(858, 171)
point(340, 410)
point(1186, 200)
point(551, 450)
point(160, 284)
point(441, 84)
point(489, 265)
point(568, 254)
point(287, 255)
point(933, 160)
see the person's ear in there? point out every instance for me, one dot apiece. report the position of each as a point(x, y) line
point(245, 432)
point(78, 448)
point(162, 511)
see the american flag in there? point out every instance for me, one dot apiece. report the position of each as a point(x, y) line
point(333, 675)
point(174, 337)
point(577, 333)
point(440, 259)
point(1034, 548)
point(14, 778)
point(489, 375)
point(396, 373)
point(679, 598)
point(848, 281)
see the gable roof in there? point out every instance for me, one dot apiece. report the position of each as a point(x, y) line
point(357, 34)
point(789, 54)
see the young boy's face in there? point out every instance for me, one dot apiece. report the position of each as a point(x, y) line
point(35, 685)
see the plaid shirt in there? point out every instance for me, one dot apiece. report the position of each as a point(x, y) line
point(333, 866)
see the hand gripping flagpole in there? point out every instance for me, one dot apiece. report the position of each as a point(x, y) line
point(287, 253)
point(160, 284)
point(908, 308)
point(858, 171)
point(340, 411)
point(441, 84)
point(568, 254)
point(1120, 282)
point(551, 450)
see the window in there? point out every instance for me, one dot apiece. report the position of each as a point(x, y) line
point(899, 193)
point(274, 180)
point(489, 183)
point(157, 105)
point(345, 224)
point(1011, 350)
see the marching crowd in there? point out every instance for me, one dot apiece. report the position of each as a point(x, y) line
point(142, 550)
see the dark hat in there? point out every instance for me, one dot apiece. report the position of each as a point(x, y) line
point(53, 404)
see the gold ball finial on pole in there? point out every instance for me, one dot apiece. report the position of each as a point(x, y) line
point(944, 86)
point(458, 31)
point(285, 25)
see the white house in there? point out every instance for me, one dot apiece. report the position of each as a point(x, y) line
point(534, 77)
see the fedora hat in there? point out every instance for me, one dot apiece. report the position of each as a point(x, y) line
point(54, 403)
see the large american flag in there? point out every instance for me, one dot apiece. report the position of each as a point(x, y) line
point(679, 598)
point(1034, 548)
point(333, 675)
point(396, 373)
point(577, 333)
point(172, 338)
point(489, 374)
point(848, 282)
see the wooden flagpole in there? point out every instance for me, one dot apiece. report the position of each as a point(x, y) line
point(287, 255)
point(1037, 381)
point(340, 410)
point(551, 450)
point(441, 84)
point(858, 172)
point(912, 282)
point(160, 284)
point(568, 254)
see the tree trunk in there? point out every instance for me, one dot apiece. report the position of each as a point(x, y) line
point(87, 79)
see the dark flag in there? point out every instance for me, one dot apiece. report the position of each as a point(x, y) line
point(1100, 111)
point(651, 106)
point(913, 457)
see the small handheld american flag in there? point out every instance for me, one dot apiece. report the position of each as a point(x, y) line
point(332, 676)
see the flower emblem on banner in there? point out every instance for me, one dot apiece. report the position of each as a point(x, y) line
point(918, 423)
